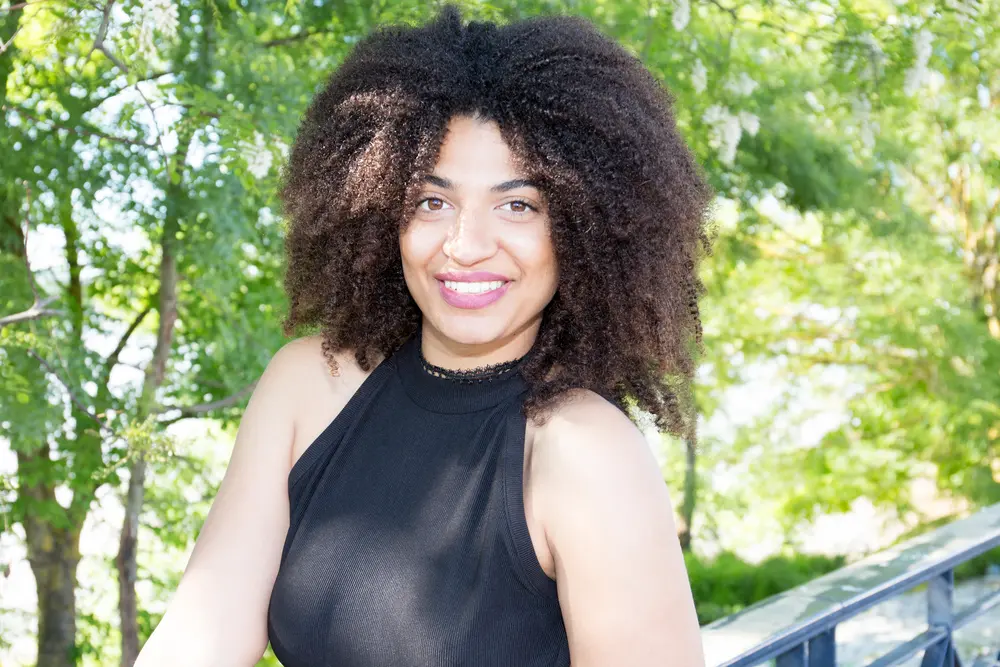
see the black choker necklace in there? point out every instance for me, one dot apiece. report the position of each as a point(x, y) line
point(486, 373)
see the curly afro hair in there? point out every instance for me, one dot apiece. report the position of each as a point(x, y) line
point(628, 204)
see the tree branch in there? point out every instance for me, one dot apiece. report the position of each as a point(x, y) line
point(99, 40)
point(24, 241)
point(729, 10)
point(72, 395)
point(156, 126)
point(281, 41)
point(112, 359)
point(203, 408)
point(100, 46)
point(118, 91)
point(5, 45)
point(37, 311)
point(39, 305)
point(23, 5)
point(76, 130)
point(734, 15)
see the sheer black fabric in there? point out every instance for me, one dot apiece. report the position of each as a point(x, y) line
point(408, 544)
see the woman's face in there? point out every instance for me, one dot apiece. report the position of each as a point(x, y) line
point(477, 253)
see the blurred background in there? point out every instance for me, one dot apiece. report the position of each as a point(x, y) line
point(850, 389)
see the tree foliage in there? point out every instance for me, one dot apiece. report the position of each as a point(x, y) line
point(854, 145)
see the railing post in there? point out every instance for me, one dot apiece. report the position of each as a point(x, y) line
point(823, 649)
point(793, 657)
point(941, 616)
point(940, 592)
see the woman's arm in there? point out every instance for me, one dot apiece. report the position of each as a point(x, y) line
point(622, 584)
point(217, 616)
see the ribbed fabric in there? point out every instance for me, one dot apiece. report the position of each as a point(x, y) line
point(407, 544)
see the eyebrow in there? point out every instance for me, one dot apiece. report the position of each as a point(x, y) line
point(499, 187)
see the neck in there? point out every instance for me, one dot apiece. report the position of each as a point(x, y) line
point(442, 351)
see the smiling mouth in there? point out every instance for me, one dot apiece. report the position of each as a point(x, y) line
point(463, 287)
point(470, 294)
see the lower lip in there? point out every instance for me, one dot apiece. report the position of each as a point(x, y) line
point(471, 301)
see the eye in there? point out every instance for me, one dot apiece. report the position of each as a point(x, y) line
point(519, 206)
point(433, 204)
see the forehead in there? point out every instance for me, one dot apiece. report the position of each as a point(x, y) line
point(474, 152)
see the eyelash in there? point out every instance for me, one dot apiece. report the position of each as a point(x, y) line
point(513, 201)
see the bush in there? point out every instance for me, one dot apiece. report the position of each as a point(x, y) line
point(727, 584)
point(978, 566)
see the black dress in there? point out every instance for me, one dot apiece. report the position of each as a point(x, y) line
point(408, 544)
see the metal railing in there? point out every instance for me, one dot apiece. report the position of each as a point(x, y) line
point(798, 627)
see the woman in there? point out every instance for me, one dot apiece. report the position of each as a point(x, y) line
point(497, 231)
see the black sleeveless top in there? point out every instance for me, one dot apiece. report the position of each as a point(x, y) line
point(408, 544)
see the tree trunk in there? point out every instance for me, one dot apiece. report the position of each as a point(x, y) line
point(55, 580)
point(127, 565)
point(155, 373)
point(53, 553)
point(126, 559)
point(690, 493)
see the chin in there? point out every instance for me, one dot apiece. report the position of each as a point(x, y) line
point(469, 329)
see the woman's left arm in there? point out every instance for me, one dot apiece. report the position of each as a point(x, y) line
point(622, 584)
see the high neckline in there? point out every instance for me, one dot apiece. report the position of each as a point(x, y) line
point(448, 395)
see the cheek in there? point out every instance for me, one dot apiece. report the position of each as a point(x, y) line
point(535, 253)
point(418, 244)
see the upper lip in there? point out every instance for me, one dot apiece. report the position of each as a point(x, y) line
point(470, 276)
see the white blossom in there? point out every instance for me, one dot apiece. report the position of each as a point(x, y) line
point(868, 131)
point(282, 148)
point(749, 122)
point(699, 76)
point(874, 57)
point(742, 86)
point(258, 156)
point(682, 14)
point(917, 74)
point(146, 47)
point(725, 131)
point(912, 80)
point(730, 140)
point(983, 96)
point(714, 114)
point(163, 14)
point(156, 16)
point(965, 10)
point(861, 108)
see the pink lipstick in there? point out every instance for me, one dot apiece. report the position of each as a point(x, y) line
point(467, 300)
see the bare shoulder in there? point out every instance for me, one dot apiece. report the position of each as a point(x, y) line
point(218, 613)
point(313, 394)
point(589, 435)
point(303, 359)
point(608, 523)
point(590, 454)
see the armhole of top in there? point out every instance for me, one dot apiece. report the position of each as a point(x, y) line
point(313, 453)
point(324, 447)
point(526, 564)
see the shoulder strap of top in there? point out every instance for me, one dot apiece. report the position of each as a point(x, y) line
point(302, 479)
point(526, 564)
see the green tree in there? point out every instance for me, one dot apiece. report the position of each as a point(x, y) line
point(853, 145)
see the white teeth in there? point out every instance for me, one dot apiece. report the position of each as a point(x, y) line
point(473, 288)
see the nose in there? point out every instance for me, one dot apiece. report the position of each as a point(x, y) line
point(470, 239)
